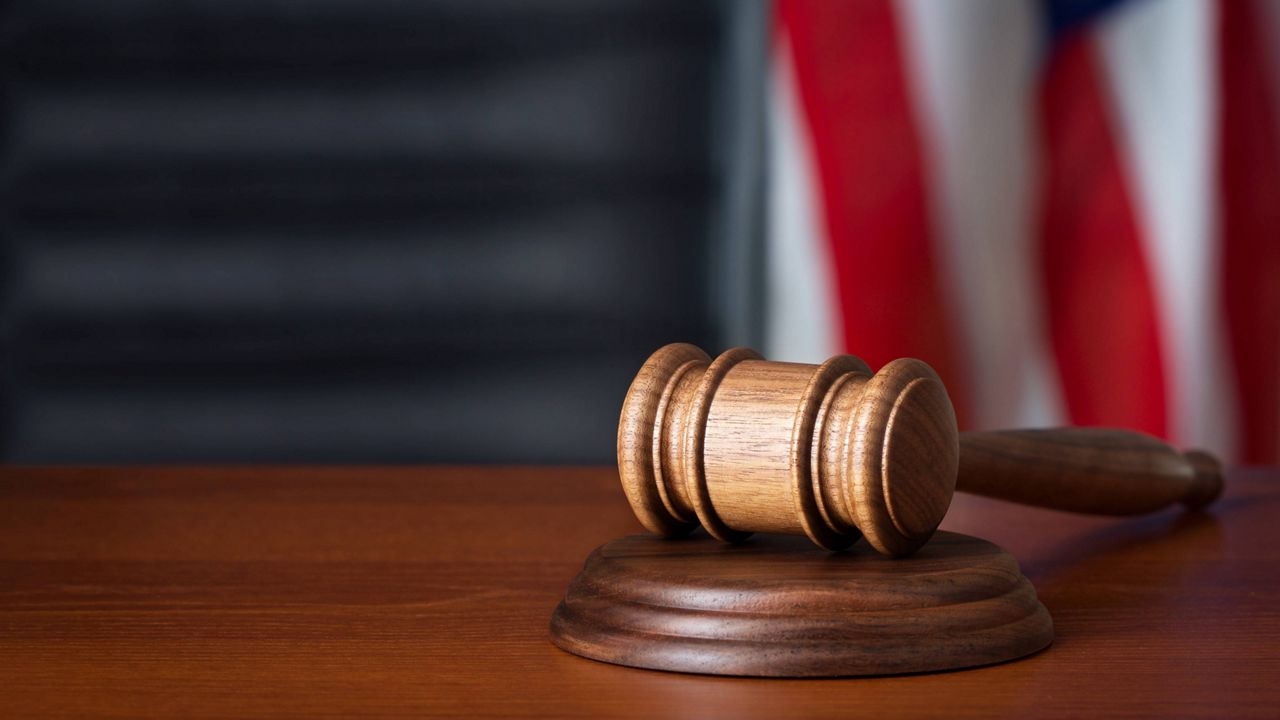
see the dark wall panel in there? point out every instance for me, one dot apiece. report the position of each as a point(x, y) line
point(372, 230)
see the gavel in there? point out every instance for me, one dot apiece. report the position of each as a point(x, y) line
point(835, 451)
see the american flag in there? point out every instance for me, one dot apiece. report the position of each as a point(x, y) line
point(1070, 209)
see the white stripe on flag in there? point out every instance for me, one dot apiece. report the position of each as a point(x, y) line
point(802, 316)
point(1158, 61)
point(975, 68)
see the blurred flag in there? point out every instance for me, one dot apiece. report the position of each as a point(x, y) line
point(1070, 209)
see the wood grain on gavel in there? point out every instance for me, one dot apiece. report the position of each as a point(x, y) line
point(834, 451)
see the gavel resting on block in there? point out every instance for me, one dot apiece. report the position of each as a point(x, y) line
point(834, 451)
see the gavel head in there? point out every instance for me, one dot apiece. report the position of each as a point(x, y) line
point(831, 451)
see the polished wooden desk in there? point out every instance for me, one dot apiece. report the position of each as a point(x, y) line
point(202, 592)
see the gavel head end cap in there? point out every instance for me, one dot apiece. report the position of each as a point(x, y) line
point(636, 438)
point(906, 456)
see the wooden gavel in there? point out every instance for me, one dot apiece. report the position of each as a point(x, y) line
point(833, 451)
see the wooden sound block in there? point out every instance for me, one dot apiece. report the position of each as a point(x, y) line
point(777, 606)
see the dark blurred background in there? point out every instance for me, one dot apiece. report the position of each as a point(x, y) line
point(391, 230)
point(348, 231)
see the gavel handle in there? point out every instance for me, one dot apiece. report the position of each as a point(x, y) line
point(1100, 471)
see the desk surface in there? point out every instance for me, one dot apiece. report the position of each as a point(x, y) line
point(201, 592)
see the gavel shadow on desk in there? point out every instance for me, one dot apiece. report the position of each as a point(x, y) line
point(834, 452)
point(1084, 566)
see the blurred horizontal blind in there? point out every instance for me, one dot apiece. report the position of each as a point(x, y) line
point(348, 230)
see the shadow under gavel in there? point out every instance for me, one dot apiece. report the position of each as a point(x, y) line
point(834, 451)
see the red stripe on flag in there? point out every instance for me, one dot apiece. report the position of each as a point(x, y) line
point(1249, 177)
point(855, 96)
point(1101, 306)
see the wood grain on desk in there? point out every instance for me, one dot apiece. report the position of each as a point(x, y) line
point(250, 592)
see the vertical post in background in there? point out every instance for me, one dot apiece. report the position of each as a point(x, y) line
point(738, 143)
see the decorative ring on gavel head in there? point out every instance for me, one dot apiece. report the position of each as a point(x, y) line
point(831, 451)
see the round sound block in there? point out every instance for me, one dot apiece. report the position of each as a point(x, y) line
point(776, 606)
